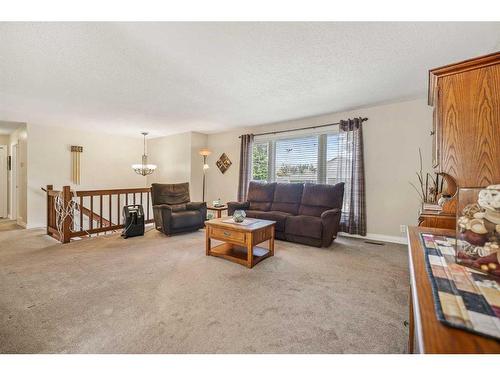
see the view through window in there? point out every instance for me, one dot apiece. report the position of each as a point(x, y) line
point(309, 158)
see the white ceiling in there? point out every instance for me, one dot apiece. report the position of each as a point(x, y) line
point(7, 127)
point(175, 77)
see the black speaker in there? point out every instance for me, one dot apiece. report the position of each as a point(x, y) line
point(133, 220)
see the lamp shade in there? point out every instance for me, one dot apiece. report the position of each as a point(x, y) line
point(204, 152)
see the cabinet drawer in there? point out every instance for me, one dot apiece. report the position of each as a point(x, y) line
point(227, 234)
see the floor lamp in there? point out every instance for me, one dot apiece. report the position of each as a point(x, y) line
point(204, 152)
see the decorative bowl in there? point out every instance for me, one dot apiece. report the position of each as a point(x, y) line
point(239, 216)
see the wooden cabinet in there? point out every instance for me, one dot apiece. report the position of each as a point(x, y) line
point(466, 124)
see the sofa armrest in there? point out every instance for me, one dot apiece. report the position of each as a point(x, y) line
point(233, 206)
point(195, 206)
point(330, 219)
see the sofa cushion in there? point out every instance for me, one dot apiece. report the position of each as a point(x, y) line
point(317, 198)
point(185, 219)
point(287, 198)
point(278, 217)
point(260, 195)
point(306, 226)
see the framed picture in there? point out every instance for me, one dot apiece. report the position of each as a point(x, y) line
point(223, 163)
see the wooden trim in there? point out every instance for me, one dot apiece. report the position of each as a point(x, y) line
point(459, 67)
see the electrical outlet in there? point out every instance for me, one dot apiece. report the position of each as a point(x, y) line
point(402, 229)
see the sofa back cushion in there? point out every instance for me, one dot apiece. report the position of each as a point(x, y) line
point(287, 198)
point(317, 198)
point(172, 194)
point(260, 195)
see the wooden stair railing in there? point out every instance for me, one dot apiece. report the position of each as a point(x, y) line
point(103, 209)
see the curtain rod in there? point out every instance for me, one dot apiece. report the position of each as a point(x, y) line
point(304, 128)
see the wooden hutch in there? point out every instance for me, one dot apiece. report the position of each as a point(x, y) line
point(466, 129)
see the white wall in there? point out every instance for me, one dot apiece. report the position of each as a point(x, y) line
point(105, 163)
point(392, 136)
point(178, 160)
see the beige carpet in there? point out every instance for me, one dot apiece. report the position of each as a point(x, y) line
point(155, 294)
point(7, 224)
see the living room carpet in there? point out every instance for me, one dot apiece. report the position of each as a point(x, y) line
point(158, 294)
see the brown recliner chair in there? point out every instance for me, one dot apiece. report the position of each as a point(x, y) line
point(173, 211)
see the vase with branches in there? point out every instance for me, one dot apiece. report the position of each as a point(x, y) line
point(430, 186)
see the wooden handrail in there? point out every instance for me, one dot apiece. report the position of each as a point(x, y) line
point(74, 201)
point(88, 193)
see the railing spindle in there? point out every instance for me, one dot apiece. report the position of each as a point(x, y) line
point(91, 212)
point(110, 216)
point(118, 214)
point(100, 211)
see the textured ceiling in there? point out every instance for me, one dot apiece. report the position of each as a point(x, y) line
point(174, 77)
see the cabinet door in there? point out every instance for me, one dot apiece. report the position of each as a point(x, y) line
point(469, 119)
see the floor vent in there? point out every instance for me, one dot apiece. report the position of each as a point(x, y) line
point(375, 242)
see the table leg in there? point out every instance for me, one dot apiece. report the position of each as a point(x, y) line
point(207, 241)
point(271, 242)
point(219, 214)
point(249, 251)
point(411, 323)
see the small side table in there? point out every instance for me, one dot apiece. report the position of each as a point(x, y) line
point(218, 210)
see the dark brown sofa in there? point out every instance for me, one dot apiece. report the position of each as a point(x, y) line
point(304, 213)
point(173, 211)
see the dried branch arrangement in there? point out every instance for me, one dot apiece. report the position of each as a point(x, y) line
point(430, 187)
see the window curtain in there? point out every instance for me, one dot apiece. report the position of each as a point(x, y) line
point(351, 171)
point(245, 166)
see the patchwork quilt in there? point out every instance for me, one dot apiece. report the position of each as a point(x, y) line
point(464, 298)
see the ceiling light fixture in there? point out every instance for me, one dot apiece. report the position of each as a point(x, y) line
point(144, 168)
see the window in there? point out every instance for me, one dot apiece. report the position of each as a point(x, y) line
point(260, 162)
point(297, 160)
point(305, 158)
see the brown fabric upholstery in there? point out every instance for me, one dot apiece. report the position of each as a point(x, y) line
point(170, 193)
point(287, 198)
point(317, 198)
point(308, 214)
point(278, 217)
point(260, 195)
point(306, 226)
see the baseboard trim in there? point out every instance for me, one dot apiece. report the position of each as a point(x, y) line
point(378, 237)
point(21, 223)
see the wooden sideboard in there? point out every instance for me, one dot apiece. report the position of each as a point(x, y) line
point(466, 126)
point(427, 334)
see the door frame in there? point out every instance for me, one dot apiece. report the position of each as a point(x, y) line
point(14, 192)
point(4, 173)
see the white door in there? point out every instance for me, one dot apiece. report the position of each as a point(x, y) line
point(13, 184)
point(3, 181)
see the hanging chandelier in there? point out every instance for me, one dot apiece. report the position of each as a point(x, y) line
point(144, 168)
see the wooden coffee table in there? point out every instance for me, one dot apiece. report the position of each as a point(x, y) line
point(240, 241)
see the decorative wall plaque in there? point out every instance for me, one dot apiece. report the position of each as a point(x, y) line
point(223, 163)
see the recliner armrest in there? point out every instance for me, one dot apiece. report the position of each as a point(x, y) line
point(194, 206)
point(162, 207)
point(173, 207)
point(233, 206)
point(333, 212)
point(330, 220)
